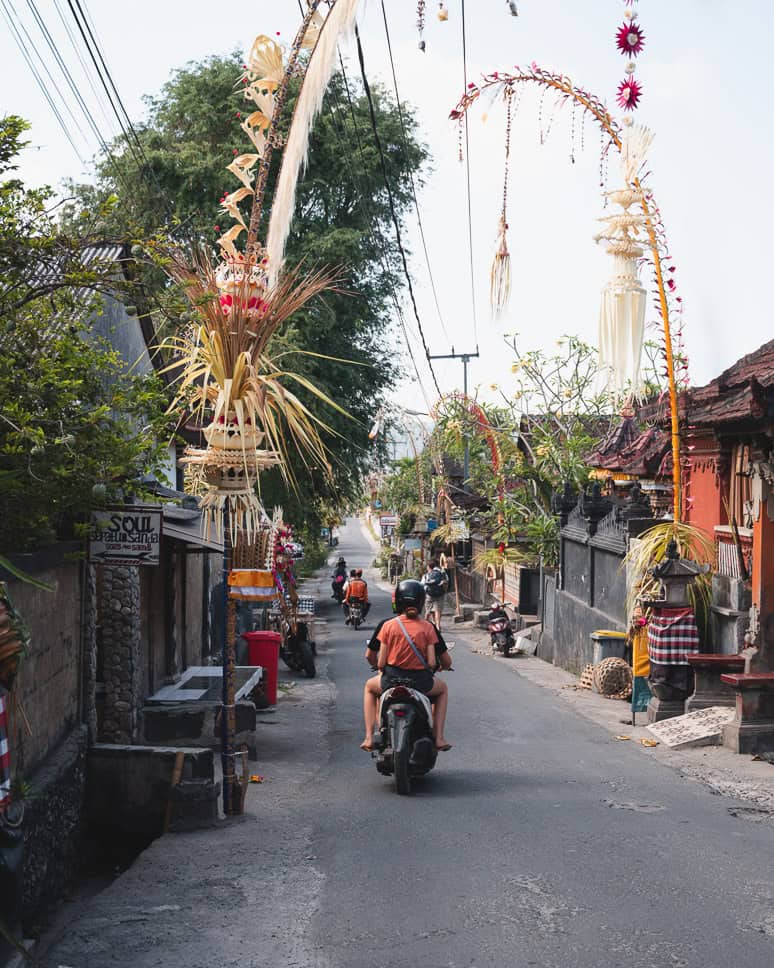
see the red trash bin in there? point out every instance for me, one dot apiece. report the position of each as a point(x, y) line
point(263, 650)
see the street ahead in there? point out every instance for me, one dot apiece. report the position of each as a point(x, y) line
point(536, 841)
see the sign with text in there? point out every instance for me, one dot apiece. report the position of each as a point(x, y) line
point(128, 535)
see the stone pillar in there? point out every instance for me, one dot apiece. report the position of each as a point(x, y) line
point(760, 657)
point(90, 651)
point(121, 638)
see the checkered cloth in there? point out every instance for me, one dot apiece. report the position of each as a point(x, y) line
point(672, 636)
point(5, 754)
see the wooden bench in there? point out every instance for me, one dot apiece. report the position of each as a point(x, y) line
point(709, 689)
point(752, 731)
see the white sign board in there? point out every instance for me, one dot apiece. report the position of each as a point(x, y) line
point(129, 535)
point(702, 728)
point(459, 531)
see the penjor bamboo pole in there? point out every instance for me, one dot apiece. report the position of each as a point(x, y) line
point(595, 107)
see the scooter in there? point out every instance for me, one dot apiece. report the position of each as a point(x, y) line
point(298, 651)
point(499, 628)
point(355, 613)
point(403, 741)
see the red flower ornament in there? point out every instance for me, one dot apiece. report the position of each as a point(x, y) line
point(630, 39)
point(629, 94)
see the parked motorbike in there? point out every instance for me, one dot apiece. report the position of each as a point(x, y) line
point(355, 613)
point(403, 741)
point(499, 628)
point(297, 651)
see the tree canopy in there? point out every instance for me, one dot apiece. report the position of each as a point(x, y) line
point(75, 427)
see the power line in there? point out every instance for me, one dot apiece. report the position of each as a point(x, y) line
point(100, 76)
point(363, 203)
point(391, 200)
point(467, 177)
point(99, 100)
point(24, 50)
point(66, 73)
point(410, 174)
point(372, 219)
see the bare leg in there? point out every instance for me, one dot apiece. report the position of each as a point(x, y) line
point(440, 695)
point(371, 695)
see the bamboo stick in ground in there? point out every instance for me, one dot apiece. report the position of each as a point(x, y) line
point(177, 774)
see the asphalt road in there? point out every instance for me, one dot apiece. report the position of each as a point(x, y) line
point(536, 841)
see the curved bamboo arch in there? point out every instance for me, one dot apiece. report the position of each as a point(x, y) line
point(566, 90)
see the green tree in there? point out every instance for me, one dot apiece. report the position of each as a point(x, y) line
point(75, 428)
point(342, 219)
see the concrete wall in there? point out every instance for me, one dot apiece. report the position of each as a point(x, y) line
point(129, 787)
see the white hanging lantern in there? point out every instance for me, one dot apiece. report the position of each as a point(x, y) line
point(624, 299)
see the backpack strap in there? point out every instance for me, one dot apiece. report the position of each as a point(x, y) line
point(415, 650)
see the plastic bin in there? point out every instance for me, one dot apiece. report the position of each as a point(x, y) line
point(263, 650)
point(608, 643)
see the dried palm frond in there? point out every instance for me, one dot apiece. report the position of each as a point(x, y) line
point(693, 544)
point(222, 366)
point(493, 557)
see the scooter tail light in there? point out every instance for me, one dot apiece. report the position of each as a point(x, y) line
point(399, 691)
point(400, 713)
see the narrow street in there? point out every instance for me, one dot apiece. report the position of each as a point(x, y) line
point(536, 841)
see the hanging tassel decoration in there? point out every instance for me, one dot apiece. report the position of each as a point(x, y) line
point(500, 274)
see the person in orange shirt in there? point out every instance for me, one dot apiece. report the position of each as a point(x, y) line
point(402, 659)
point(356, 588)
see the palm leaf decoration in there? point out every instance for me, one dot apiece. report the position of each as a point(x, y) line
point(693, 544)
point(222, 364)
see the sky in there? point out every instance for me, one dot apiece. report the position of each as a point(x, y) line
point(705, 73)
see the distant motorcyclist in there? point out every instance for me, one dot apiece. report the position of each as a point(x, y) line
point(338, 579)
point(355, 588)
point(366, 603)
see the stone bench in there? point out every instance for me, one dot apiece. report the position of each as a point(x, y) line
point(709, 689)
point(752, 731)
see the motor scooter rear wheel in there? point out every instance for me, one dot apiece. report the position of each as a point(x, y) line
point(401, 771)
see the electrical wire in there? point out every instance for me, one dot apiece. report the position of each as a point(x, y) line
point(467, 178)
point(101, 78)
point(99, 99)
point(366, 208)
point(362, 198)
point(66, 74)
point(24, 49)
point(410, 174)
point(391, 200)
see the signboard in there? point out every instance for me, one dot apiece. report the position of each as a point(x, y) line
point(128, 535)
point(412, 544)
point(388, 524)
point(459, 530)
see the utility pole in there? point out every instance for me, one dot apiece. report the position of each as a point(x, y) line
point(465, 358)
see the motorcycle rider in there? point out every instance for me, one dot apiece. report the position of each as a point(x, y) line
point(398, 660)
point(339, 576)
point(355, 588)
point(366, 603)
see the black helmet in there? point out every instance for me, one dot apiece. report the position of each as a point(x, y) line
point(409, 594)
point(341, 560)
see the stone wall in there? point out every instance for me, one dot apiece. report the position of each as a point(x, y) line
point(53, 828)
point(120, 637)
